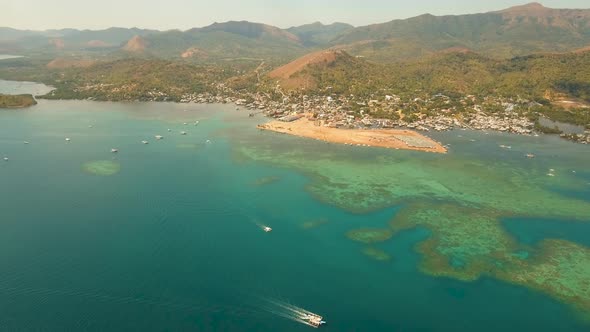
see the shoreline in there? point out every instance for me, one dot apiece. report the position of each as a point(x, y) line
point(399, 139)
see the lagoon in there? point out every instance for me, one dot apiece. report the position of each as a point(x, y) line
point(165, 236)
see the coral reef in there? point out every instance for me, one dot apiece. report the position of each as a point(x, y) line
point(102, 167)
point(266, 180)
point(466, 242)
point(460, 198)
point(309, 224)
point(369, 235)
point(559, 268)
point(376, 254)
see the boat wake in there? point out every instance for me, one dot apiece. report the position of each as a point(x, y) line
point(289, 311)
point(262, 226)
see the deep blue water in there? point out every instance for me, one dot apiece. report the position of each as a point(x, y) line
point(170, 243)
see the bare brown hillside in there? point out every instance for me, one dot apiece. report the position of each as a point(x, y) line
point(286, 71)
point(97, 44)
point(135, 44)
point(289, 75)
point(194, 52)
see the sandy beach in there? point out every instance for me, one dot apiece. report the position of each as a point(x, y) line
point(384, 138)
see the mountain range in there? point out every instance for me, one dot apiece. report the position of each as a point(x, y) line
point(515, 31)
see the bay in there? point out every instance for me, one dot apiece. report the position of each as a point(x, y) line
point(166, 236)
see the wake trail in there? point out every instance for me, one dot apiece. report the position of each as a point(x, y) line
point(286, 310)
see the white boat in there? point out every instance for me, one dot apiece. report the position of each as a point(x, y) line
point(530, 155)
point(208, 141)
point(169, 130)
point(5, 158)
point(185, 123)
point(183, 133)
point(267, 229)
point(26, 142)
point(145, 142)
point(67, 139)
point(114, 150)
point(313, 320)
point(159, 137)
point(196, 123)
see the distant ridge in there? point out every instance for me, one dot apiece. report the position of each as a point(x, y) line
point(516, 31)
point(249, 30)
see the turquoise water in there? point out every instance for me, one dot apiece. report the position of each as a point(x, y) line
point(15, 88)
point(170, 242)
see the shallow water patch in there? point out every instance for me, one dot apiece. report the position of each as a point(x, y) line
point(102, 167)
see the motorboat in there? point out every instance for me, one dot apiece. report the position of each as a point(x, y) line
point(530, 155)
point(183, 133)
point(68, 139)
point(267, 229)
point(313, 320)
point(145, 142)
point(5, 158)
point(169, 130)
point(26, 142)
point(159, 137)
point(114, 150)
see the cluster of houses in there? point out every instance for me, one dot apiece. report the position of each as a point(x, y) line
point(437, 112)
point(336, 111)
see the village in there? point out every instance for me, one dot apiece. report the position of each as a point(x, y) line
point(437, 112)
point(423, 113)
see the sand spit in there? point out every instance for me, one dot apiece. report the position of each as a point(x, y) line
point(384, 138)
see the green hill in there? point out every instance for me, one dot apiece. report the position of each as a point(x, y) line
point(457, 72)
point(512, 32)
point(228, 40)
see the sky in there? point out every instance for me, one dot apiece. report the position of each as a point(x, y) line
point(185, 14)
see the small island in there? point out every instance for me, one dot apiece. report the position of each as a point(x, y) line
point(17, 101)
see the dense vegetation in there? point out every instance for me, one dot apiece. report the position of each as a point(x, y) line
point(459, 73)
point(541, 79)
point(16, 101)
point(126, 79)
point(513, 32)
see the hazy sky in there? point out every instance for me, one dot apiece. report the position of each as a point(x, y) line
point(184, 14)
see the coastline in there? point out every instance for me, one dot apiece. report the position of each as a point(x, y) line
point(399, 139)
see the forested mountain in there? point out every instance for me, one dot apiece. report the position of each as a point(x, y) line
point(503, 34)
point(512, 32)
